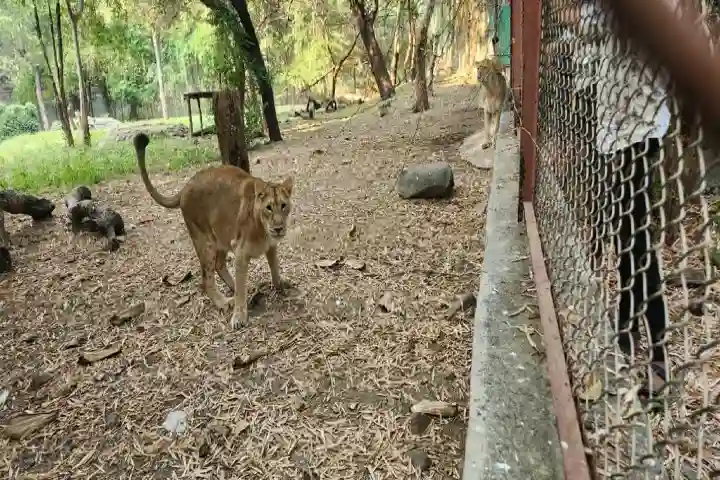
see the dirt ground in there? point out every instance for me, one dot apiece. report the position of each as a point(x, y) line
point(341, 357)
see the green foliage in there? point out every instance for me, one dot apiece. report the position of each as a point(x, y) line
point(40, 162)
point(24, 88)
point(18, 119)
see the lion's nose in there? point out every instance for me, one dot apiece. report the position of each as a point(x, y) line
point(279, 230)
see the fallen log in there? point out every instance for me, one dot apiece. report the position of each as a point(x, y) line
point(5, 259)
point(88, 215)
point(21, 203)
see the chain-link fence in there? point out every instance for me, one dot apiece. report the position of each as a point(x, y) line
point(622, 209)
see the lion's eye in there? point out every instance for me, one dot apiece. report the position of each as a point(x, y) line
point(283, 206)
point(269, 208)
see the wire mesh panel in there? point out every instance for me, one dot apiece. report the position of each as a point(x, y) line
point(622, 209)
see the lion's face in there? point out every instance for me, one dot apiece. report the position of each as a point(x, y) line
point(273, 204)
point(486, 67)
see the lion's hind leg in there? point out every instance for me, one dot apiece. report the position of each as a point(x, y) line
point(222, 270)
point(207, 255)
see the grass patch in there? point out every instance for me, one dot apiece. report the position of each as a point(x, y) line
point(41, 162)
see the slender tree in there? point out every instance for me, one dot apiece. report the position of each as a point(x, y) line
point(365, 19)
point(75, 17)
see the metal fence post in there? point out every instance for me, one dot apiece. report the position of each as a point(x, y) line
point(531, 12)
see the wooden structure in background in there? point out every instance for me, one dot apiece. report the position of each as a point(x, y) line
point(189, 97)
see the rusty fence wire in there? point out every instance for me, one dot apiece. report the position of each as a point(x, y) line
point(625, 221)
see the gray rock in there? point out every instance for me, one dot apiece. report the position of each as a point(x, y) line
point(433, 180)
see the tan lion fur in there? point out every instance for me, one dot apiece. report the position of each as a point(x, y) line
point(493, 92)
point(226, 208)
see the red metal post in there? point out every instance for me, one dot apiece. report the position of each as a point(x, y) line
point(530, 85)
point(516, 52)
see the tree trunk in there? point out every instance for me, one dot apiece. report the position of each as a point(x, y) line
point(133, 114)
point(338, 68)
point(422, 102)
point(408, 64)
point(433, 66)
point(74, 19)
point(158, 69)
point(396, 45)
point(40, 101)
point(57, 83)
point(107, 100)
point(259, 69)
point(229, 124)
point(88, 95)
point(365, 23)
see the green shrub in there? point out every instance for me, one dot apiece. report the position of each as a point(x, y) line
point(17, 119)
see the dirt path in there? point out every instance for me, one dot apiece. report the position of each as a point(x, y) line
point(331, 396)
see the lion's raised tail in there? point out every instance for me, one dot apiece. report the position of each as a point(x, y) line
point(141, 142)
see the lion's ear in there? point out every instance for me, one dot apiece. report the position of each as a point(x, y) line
point(288, 184)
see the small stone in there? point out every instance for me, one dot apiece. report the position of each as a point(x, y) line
point(419, 422)
point(420, 460)
point(434, 180)
point(176, 422)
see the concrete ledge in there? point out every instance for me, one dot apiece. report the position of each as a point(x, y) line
point(512, 432)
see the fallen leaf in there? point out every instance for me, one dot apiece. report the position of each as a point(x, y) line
point(171, 283)
point(436, 408)
point(355, 264)
point(182, 300)
point(240, 426)
point(128, 314)
point(327, 263)
point(156, 447)
point(246, 360)
point(25, 424)
point(75, 342)
point(593, 389)
point(86, 358)
point(353, 231)
point(4, 395)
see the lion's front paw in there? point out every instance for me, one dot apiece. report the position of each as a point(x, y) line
point(238, 319)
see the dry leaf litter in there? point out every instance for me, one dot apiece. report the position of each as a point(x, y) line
point(114, 366)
